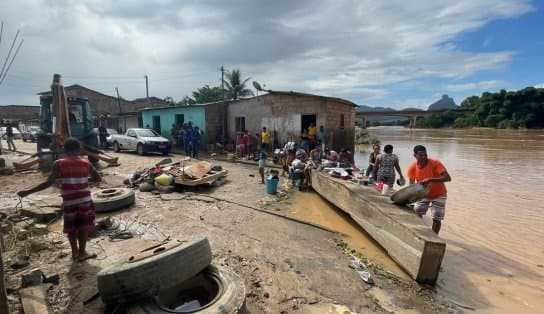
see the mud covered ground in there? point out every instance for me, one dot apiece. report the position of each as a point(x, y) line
point(287, 266)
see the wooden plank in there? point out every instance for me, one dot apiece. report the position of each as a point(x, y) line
point(208, 178)
point(405, 237)
point(34, 300)
point(199, 169)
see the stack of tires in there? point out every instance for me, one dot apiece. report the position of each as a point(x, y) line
point(174, 277)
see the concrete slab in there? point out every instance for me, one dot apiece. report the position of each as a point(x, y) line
point(42, 214)
point(405, 237)
point(34, 300)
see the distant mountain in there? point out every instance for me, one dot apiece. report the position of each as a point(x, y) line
point(444, 103)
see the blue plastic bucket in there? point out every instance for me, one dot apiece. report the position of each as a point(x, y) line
point(271, 185)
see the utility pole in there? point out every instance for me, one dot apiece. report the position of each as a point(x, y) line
point(146, 89)
point(118, 99)
point(222, 84)
point(119, 113)
point(224, 106)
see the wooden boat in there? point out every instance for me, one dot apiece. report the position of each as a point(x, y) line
point(405, 237)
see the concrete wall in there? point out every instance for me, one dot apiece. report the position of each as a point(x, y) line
point(194, 114)
point(214, 122)
point(282, 113)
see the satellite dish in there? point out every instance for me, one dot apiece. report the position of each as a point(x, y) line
point(257, 85)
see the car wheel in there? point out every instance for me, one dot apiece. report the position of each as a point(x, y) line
point(112, 199)
point(140, 149)
point(159, 267)
point(217, 290)
point(166, 152)
point(116, 147)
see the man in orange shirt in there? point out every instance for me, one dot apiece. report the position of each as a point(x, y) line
point(431, 172)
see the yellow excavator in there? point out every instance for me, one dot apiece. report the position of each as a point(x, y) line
point(62, 117)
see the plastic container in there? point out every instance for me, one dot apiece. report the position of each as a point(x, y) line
point(164, 179)
point(385, 189)
point(271, 184)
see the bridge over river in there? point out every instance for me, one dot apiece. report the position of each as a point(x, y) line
point(412, 115)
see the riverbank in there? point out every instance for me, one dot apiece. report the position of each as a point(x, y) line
point(287, 266)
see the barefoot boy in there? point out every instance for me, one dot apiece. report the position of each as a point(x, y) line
point(77, 205)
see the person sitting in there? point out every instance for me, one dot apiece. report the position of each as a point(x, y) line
point(316, 155)
point(297, 171)
point(331, 155)
point(347, 158)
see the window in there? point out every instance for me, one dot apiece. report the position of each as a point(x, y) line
point(180, 119)
point(240, 123)
point(76, 113)
point(131, 133)
point(342, 122)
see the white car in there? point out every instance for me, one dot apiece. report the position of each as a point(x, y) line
point(16, 132)
point(142, 141)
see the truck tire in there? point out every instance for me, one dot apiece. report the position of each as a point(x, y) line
point(112, 199)
point(165, 266)
point(140, 149)
point(229, 299)
point(166, 152)
point(116, 147)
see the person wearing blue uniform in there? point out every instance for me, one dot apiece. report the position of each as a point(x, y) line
point(195, 141)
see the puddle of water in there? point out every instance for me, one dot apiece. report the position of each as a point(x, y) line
point(311, 207)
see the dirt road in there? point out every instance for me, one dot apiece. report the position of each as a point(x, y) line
point(287, 266)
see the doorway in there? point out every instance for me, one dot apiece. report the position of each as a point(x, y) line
point(157, 124)
point(305, 121)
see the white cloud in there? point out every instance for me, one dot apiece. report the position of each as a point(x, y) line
point(475, 86)
point(345, 49)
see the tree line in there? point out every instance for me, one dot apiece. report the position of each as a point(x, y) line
point(504, 110)
point(234, 88)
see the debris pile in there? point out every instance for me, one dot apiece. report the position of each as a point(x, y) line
point(165, 175)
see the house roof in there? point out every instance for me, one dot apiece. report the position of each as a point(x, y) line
point(291, 93)
point(192, 105)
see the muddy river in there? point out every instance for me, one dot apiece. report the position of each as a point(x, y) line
point(494, 225)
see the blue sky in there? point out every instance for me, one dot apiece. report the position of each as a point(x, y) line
point(380, 53)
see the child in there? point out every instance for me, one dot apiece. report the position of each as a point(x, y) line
point(77, 205)
point(262, 163)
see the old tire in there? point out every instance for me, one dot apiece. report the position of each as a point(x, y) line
point(140, 149)
point(116, 147)
point(229, 299)
point(163, 268)
point(112, 199)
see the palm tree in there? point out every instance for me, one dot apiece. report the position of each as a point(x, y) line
point(234, 86)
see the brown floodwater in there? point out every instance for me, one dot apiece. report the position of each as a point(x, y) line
point(494, 225)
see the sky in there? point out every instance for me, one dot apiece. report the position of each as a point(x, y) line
point(394, 53)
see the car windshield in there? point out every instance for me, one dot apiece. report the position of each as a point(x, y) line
point(34, 129)
point(147, 133)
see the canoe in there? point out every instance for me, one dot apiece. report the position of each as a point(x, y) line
point(402, 234)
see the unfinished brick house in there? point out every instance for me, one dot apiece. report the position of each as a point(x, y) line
point(286, 114)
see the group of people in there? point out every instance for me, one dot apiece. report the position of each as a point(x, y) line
point(188, 137)
point(9, 136)
point(426, 171)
